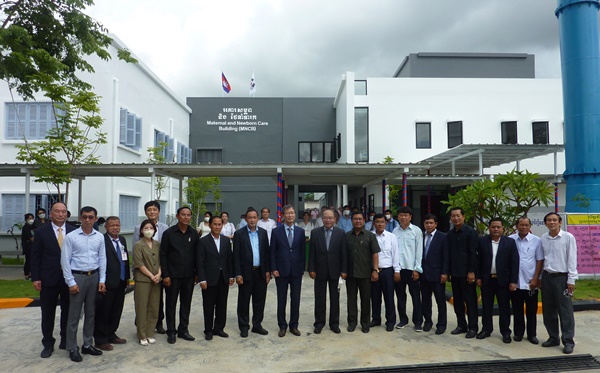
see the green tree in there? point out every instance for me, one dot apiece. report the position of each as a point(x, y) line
point(508, 197)
point(197, 191)
point(157, 156)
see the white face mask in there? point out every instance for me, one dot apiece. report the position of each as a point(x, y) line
point(371, 218)
point(149, 233)
point(346, 212)
point(388, 216)
point(42, 216)
point(206, 219)
point(30, 221)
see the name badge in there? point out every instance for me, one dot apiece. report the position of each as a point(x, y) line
point(123, 255)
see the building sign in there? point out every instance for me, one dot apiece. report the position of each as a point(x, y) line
point(586, 229)
point(237, 119)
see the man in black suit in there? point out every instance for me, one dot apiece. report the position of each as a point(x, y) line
point(498, 275)
point(435, 274)
point(178, 249)
point(462, 246)
point(327, 261)
point(47, 276)
point(287, 261)
point(109, 306)
point(252, 274)
point(214, 263)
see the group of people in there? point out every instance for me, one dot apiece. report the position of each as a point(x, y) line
point(89, 270)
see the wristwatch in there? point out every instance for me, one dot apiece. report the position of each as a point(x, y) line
point(376, 270)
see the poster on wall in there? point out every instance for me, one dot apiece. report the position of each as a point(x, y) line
point(586, 229)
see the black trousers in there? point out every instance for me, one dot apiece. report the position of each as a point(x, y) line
point(255, 289)
point(384, 286)
point(161, 306)
point(353, 286)
point(519, 299)
point(415, 294)
point(27, 263)
point(295, 285)
point(48, 301)
point(321, 303)
point(490, 289)
point(556, 306)
point(184, 288)
point(464, 294)
point(214, 304)
point(438, 290)
point(109, 308)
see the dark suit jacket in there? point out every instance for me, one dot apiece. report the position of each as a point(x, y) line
point(243, 260)
point(45, 256)
point(462, 246)
point(328, 264)
point(178, 252)
point(507, 260)
point(436, 262)
point(113, 263)
point(211, 263)
point(289, 261)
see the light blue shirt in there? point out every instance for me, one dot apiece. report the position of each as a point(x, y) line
point(530, 251)
point(83, 252)
point(254, 244)
point(410, 247)
point(345, 224)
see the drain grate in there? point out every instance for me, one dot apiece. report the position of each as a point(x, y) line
point(546, 364)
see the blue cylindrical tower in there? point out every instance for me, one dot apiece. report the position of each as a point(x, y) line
point(580, 64)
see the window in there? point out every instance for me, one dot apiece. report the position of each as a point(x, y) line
point(209, 155)
point(360, 87)
point(455, 134)
point(13, 207)
point(29, 120)
point(168, 151)
point(128, 212)
point(423, 131)
point(316, 152)
point(540, 133)
point(163, 212)
point(184, 154)
point(361, 134)
point(509, 132)
point(130, 130)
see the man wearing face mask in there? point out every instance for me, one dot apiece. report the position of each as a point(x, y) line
point(369, 224)
point(391, 223)
point(345, 221)
point(26, 243)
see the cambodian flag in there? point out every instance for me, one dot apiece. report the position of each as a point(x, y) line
point(225, 83)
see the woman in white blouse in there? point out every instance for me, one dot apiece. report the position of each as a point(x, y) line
point(204, 228)
point(228, 227)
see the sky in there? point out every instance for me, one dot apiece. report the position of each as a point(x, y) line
point(301, 48)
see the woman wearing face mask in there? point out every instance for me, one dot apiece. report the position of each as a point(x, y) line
point(26, 243)
point(147, 276)
point(204, 228)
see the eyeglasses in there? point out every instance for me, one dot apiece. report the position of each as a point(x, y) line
point(568, 294)
point(88, 217)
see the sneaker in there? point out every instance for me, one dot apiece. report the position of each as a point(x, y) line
point(401, 325)
point(418, 328)
point(151, 341)
point(144, 342)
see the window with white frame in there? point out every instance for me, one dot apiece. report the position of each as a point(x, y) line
point(13, 207)
point(28, 120)
point(184, 154)
point(128, 211)
point(130, 130)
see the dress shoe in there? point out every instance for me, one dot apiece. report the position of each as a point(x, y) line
point(105, 347)
point(427, 327)
point(374, 323)
point(281, 333)
point(418, 328)
point(439, 331)
point(518, 338)
point(483, 335)
point(365, 329)
point(75, 356)
point(208, 336)
point(221, 333)
point(506, 338)
point(62, 345)
point(260, 330)
point(160, 329)
point(244, 333)
point(336, 329)
point(568, 349)
point(401, 325)
point(551, 343)
point(533, 340)
point(351, 328)
point(471, 334)
point(295, 332)
point(186, 336)
point(47, 352)
point(118, 341)
point(91, 350)
point(317, 330)
point(458, 330)
point(389, 328)
point(171, 338)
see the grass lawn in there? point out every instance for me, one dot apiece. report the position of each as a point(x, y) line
point(17, 289)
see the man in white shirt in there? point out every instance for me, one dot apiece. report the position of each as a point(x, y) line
point(410, 248)
point(558, 283)
point(531, 262)
point(389, 273)
point(266, 223)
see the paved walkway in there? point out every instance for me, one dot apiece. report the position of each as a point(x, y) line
point(20, 344)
